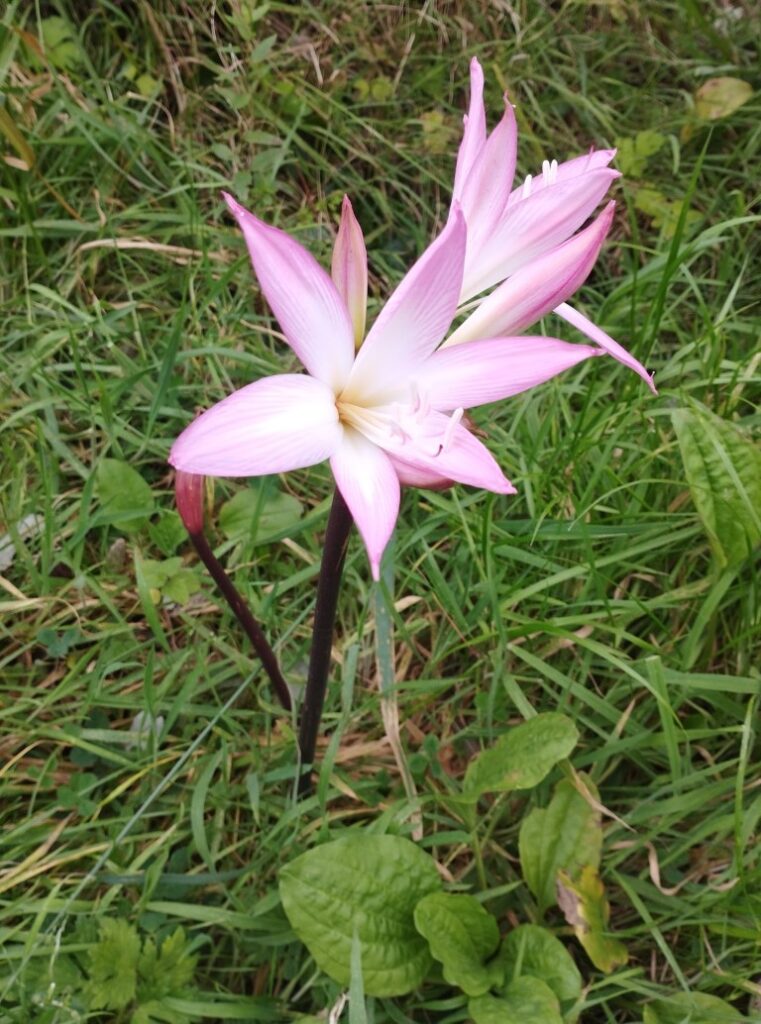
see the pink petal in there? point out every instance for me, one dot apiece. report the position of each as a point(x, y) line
point(592, 161)
point(311, 313)
point(273, 425)
point(414, 476)
point(474, 132)
point(538, 287)
point(413, 321)
point(599, 337)
point(488, 183)
point(349, 269)
point(449, 451)
point(486, 371)
point(533, 226)
point(370, 487)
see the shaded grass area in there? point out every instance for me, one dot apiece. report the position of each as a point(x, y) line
point(128, 304)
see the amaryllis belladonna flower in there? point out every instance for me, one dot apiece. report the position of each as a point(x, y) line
point(389, 410)
point(524, 236)
point(387, 413)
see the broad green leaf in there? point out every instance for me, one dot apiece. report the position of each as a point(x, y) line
point(60, 44)
point(255, 515)
point(633, 154)
point(371, 885)
point(691, 1008)
point(125, 497)
point(586, 909)
point(181, 586)
point(461, 936)
point(531, 951)
point(663, 212)
point(720, 97)
point(566, 835)
point(526, 1001)
point(522, 756)
point(723, 469)
point(112, 965)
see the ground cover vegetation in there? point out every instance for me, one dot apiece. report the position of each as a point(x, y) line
point(147, 788)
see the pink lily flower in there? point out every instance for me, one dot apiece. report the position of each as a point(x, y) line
point(525, 237)
point(386, 414)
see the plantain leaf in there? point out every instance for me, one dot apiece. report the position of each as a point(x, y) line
point(521, 757)
point(369, 886)
point(586, 909)
point(531, 951)
point(461, 936)
point(720, 97)
point(691, 1008)
point(526, 1001)
point(723, 469)
point(566, 835)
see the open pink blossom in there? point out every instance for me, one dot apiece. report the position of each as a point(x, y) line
point(526, 236)
point(385, 414)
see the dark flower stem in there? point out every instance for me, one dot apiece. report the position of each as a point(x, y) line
point(240, 608)
point(333, 555)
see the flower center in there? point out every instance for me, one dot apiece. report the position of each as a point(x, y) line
point(397, 424)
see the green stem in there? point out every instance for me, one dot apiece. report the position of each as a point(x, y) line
point(245, 618)
point(333, 555)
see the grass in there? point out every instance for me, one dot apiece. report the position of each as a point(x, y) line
point(128, 303)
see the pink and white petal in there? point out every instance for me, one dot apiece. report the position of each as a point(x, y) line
point(448, 450)
point(370, 487)
point(485, 371)
point(608, 344)
point(413, 321)
point(414, 476)
point(474, 129)
point(271, 426)
point(592, 161)
point(538, 287)
point(490, 179)
point(533, 227)
point(349, 269)
point(311, 313)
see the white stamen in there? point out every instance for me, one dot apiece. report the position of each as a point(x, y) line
point(452, 424)
point(549, 172)
point(527, 186)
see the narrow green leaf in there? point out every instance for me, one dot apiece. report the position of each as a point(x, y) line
point(723, 469)
point(526, 1001)
point(566, 835)
point(691, 1008)
point(532, 951)
point(461, 935)
point(586, 909)
point(521, 757)
point(370, 884)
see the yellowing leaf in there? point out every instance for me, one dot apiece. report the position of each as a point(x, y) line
point(564, 836)
point(720, 97)
point(586, 909)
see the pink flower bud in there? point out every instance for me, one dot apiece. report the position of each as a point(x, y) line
point(189, 494)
